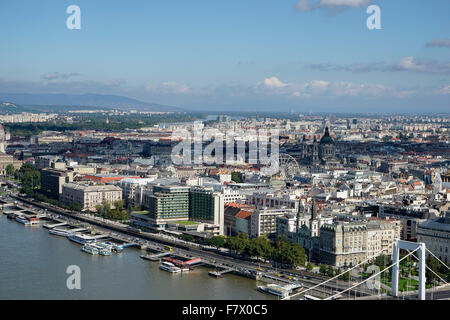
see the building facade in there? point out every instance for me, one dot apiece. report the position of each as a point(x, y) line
point(169, 203)
point(435, 234)
point(52, 181)
point(90, 196)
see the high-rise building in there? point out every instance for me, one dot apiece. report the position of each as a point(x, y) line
point(207, 206)
point(52, 180)
point(169, 203)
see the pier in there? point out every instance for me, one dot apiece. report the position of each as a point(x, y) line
point(51, 226)
point(155, 257)
point(220, 273)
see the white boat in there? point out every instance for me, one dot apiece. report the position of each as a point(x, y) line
point(275, 290)
point(115, 247)
point(89, 249)
point(102, 249)
point(80, 238)
point(105, 246)
point(169, 267)
point(59, 232)
point(34, 222)
point(104, 252)
point(23, 220)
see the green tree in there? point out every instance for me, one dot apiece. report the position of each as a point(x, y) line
point(434, 265)
point(288, 253)
point(119, 204)
point(235, 176)
point(218, 241)
point(10, 170)
point(75, 206)
point(28, 176)
point(323, 269)
point(309, 266)
point(330, 271)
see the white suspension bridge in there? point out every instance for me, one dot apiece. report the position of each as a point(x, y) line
point(377, 284)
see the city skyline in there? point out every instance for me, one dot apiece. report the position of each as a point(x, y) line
point(296, 56)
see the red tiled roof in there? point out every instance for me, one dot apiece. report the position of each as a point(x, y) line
point(243, 214)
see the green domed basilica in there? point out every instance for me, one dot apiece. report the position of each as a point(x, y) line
point(318, 153)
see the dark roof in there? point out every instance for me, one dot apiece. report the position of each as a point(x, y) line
point(326, 139)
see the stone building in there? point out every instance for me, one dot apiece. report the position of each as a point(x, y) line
point(381, 234)
point(89, 196)
point(6, 160)
point(435, 233)
point(343, 243)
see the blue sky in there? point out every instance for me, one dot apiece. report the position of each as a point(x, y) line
point(234, 55)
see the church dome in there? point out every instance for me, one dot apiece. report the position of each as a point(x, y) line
point(326, 139)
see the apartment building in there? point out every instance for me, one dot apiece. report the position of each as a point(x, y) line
point(264, 221)
point(381, 234)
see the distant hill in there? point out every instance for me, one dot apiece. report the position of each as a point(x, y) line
point(81, 101)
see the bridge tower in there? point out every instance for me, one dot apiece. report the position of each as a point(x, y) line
point(411, 246)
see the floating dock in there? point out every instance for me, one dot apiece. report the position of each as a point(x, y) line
point(54, 225)
point(219, 274)
point(155, 257)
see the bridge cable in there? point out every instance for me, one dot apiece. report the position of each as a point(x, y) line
point(372, 276)
point(438, 259)
point(335, 277)
point(431, 270)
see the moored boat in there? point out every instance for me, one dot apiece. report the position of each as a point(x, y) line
point(80, 238)
point(169, 267)
point(59, 232)
point(90, 249)
point(23, 220)
point(275, 290)
point(102, 250)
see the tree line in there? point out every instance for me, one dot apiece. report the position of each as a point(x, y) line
point(279, 250)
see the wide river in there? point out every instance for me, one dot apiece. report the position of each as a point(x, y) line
point(33, 265)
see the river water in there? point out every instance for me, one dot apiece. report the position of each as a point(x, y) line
point(33, 265)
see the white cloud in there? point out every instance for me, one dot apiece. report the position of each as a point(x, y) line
point(443, 90)
point(409, 63)
point(273, 83)
point(49, 76)
point(318, 85)
point(168, 87)
point(420, 65)
point(323, 88)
